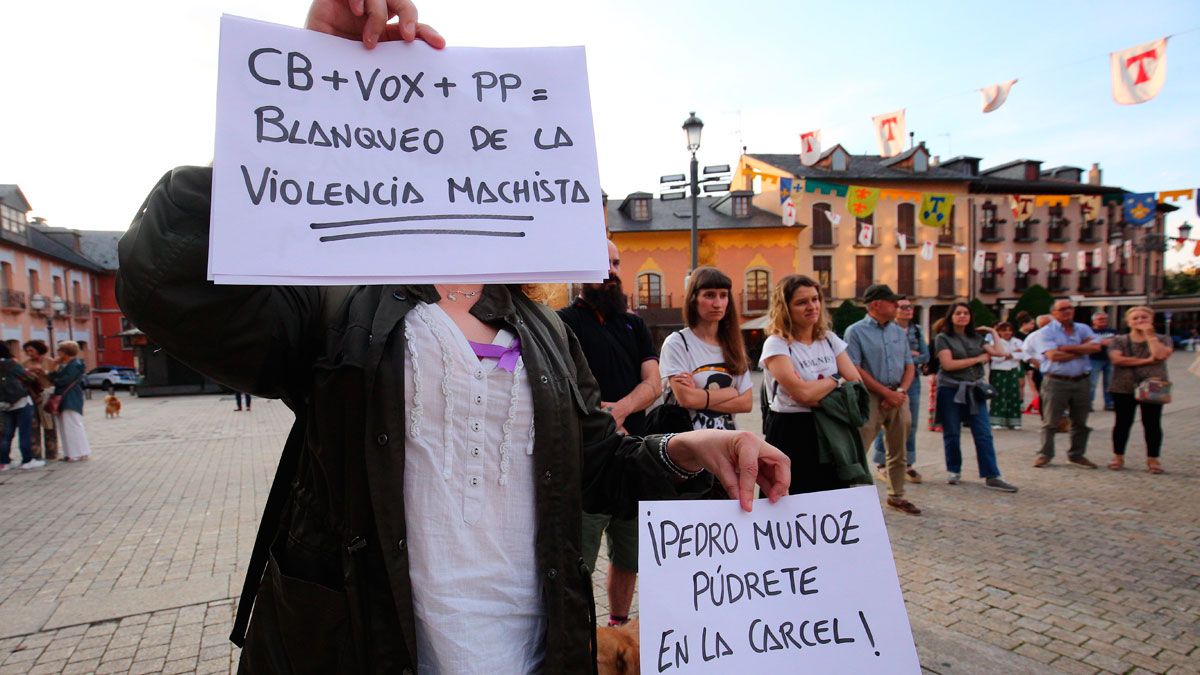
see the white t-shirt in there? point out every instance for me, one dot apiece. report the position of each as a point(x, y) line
point(683, 352)
point(815, 361)
point(1013, 346)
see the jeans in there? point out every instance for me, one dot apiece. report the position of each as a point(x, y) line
point(914, 407)
point(953, 415)
point(20, 419)
point(1099, 367)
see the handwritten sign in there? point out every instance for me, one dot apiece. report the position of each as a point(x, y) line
point(403, 164)
point(804, 585)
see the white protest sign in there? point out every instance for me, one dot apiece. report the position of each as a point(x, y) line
point(335, 164)
point(804, 585)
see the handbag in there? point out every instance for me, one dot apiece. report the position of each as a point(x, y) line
point(669, 417)
point(985, 390)
point(54, 404)
point(1153, 390)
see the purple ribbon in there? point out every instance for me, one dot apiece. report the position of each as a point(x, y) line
point(508, 355)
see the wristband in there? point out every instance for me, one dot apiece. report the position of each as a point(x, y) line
point(674, 468)
point(707, 398)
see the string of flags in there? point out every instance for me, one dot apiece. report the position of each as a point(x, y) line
point(1138, 74)
point(935, 209)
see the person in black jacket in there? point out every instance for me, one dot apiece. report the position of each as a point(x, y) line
point(365, 483)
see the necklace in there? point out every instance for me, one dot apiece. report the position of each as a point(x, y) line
point(453, 293)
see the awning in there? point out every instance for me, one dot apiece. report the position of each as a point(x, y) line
point(759, 323)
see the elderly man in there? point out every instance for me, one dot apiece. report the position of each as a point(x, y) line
point(1062, 348)
point(880, 349)
point(1101, 366)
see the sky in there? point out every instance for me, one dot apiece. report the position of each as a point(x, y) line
point(100, 102)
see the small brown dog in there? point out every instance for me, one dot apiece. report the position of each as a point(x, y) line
point(112, 405)
point(618, 649)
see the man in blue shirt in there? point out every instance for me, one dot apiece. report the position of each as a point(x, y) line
point(1063, 348)
point(880, 350)
point(1101, 366)
point(920, 354)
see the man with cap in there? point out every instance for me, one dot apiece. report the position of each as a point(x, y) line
point(879, 347)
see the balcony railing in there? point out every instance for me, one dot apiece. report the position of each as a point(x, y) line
point(81, 310)
point(989, 285)
point(659, 301)
point(754, 302)
point(12, 301)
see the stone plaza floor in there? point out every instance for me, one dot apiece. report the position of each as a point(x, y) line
point(131, 562)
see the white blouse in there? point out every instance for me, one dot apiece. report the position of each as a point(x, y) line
point(469, 498)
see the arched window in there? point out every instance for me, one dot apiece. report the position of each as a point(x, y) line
point(822, 229)
point(758, 290)
point(650, 290)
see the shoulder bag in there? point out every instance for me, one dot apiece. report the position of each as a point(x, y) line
point(54, 404)
point(669, 417)
point(1153, 390)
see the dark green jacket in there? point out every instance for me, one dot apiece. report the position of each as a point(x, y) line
point(335, 594)
point(841, 413)
point(62, 378)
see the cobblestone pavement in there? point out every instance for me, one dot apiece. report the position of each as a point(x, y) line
point(130, 562)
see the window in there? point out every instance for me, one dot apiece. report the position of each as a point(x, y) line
point(858, 228)
point(76, 292)
point(906, 219)
point(988, 276)
point(741, 206)
point(640, 209)
point(58, 287)
point(34, 285)
point(823, 268)
point(1057, 229)
point(822, 229)
point(1021, 281)
point(1054, 269)
point(12, 220)
point(864, 274)
point(99, 333)
point(906, 275)
point(650, 291)
point(946, 231)
point(758, 290)
point(126, 342)
point(1085, 274)
point(990, 228)
point(6, 276)
point(946, 276)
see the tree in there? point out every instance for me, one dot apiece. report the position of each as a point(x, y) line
point(847, 313)
point(984, 316)
point(1183, 282)
point(1036, 300)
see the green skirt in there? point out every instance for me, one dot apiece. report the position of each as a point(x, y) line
point(1006, 406)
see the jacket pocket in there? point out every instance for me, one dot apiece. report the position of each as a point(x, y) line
point(298, 626)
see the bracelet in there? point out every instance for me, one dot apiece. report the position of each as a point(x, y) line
point(707, 398)
point(674, 468)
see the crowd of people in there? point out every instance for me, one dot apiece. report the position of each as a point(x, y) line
point(42, 403)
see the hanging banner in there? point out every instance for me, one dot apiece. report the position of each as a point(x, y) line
point(861, 201)
point(1138, 73)
point(1081, 261)
point(1089, 206)
point(1112, 254)
point(1022, 206)
point(935, 209)
point(927, 250)
point(1008, 259)
point(810, 147)
point(1023, 264)
point(1140, 208)
point(980, 260)
point(1174, 195)
point(1128, 249)
point(866, 234)
point(824, 188)
point(1051, 200)
point(994, 95)
point(1196, 251)
point(903, 240)
point(900, 195)
point(1048, 257)
point(1097, 257)
point(785, 189)
point(834, 216)
point(889, 130)
point(789, 212)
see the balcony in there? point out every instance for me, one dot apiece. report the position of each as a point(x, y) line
point(39, 304)
point(12, 301)
point(989, 285)
point(754, 303)
point(654, 301)
point(1058, 283)
point(81, 310)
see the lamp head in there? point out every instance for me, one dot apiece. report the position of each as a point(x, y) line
point(693, 126)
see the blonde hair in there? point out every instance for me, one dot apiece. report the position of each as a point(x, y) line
point(779, 317)
point(69, 347)
point(1138, 308)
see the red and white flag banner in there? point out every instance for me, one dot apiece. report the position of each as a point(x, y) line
point(1112, 254)
point(789, 212)
point(866, 232)
point(903, 240)
point(1128, 249)
point(1089, 206)
point(1081, 263)
point(1023, 263)
point(994, 95)
point(1022, 206)
point(980, 259)
point(810, 147)
point(889, 129)
point(927, 250)
point(1138, 73)
point(1097, 257)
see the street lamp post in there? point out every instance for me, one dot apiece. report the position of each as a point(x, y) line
point(39, 304)
point(693, 126)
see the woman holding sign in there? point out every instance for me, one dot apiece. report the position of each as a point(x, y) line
point(706, 363)
point(427, 508)
point(803, 362)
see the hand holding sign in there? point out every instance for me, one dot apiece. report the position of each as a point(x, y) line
point(368, 21)
point(739, 460)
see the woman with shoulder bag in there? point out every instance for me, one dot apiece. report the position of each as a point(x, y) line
point(705, 364)
point(67, 403)
point(803, 362)
point(41, 366)
point(1139, 378)
point(963, 394)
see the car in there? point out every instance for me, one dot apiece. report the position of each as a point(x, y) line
point(104, 377)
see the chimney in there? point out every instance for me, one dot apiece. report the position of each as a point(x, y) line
point(1094, 175)
point(935, 160)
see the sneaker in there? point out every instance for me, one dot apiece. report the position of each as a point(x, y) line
point(954, 478)
point(997, 484)
point(913, 476)
point(1082, 461)
point(33, 464)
